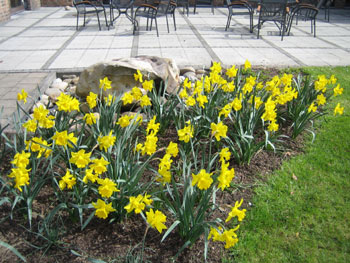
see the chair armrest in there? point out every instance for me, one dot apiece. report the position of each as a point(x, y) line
point(147, 6)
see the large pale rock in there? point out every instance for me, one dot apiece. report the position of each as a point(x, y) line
point(121, 73)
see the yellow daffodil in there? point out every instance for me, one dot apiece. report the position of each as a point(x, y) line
point(107, 187)
point(109, 99)
point(21, 176)
point(90, 176)
point(80, 159)
point(99, 165)
point(21, 159)
point(102, 209)
point(172, 149)
point(226, 110)
point(67, 103)
point(236, 104)
point(226, 176)
point(218, 130)
point(236, 212)
point(247, 65)
point(90, 118)
point(124, 121)
point(105, 84)
point(148, 85)
point(273, 126)
point(127, 98)
point(30, 125)
point(135, 203)
point(152, 126)
point(312, 107)
point(64, 139)
point(232, 72)
point(91, 100)
point(337, 90)
point(106, 141)
point(186, 133)
point(22, 96)
point(40, 112)
point(332, 80)
point(203, 180)
point(156, 220)
point(150, 145)
point(138, 76)
point(229, 237)
point(338, 110)
point(67, 181)
point(202, 99)
point(145, 101)
point(225, 154)
point(321, 99)
point(190, 101)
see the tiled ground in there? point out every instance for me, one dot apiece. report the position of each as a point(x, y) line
point(35, 43)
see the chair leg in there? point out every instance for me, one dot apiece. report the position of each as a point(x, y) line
point(251, 22)
point(228, 22)
point(174, 20)
point(77, 21)
point(167, 23)
point(84, 19)
point(106, 20)
point(98, 20)
point(155, 20)
point(315, 27)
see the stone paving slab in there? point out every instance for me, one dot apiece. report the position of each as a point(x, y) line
point(36, 44)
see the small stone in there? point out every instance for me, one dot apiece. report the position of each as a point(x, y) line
point(186, 69)
point(75, 80)
point(181, 79)
point(84, 107)
point(59, 85)
point(191, 76)
point(69, 76)
point(200, 71)
point(53, 94)
point(72, 90)
point(67, 8)
point(44, 99)
point(58, 80)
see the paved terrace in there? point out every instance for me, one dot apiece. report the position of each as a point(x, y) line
point(34, 45)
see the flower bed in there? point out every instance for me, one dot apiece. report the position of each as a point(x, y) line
point(116, 167)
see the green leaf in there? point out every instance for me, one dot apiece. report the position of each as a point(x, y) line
point(13, 250)
point(170, 229)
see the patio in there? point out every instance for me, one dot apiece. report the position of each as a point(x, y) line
point(46, 40)
point(35, 45)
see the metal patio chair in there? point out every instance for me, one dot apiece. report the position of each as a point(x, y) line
point(151, 10)
point(85, 7)
point(239, 5)
point(304, 12)
point(273, 11)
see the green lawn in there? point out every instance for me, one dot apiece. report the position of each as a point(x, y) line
point(306, 217)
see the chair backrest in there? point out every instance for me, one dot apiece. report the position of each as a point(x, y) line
point(307, 12)
point(273, 8)
point(165, 7)
point(79, 5)
point(122, 3)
